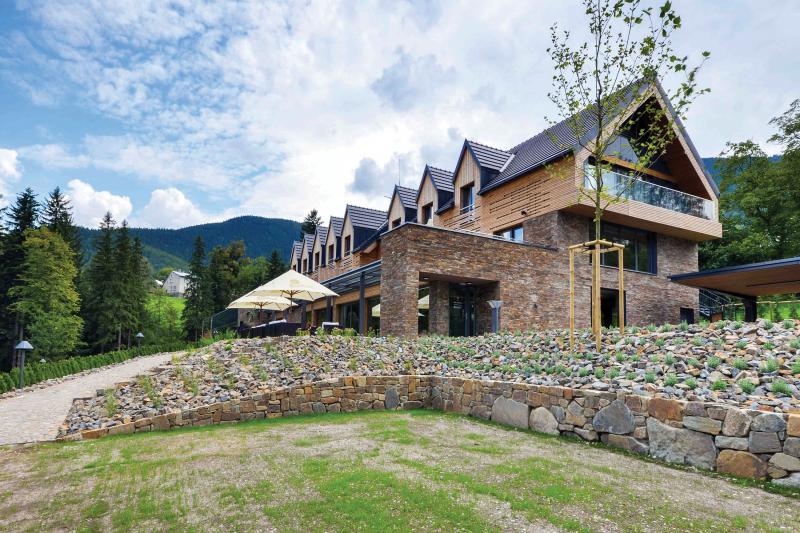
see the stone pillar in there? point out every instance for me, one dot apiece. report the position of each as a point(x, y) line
point(399, 295)
point(439, 310)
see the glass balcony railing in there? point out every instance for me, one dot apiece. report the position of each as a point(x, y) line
point(615, 184)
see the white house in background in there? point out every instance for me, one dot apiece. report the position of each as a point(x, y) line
point(175, 284)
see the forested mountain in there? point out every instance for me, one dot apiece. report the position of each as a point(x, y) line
point(173, 247)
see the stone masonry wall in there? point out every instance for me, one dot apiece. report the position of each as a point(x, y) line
point(533, 282)
point(750, 443)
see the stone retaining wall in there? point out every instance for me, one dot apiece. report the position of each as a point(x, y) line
point(745, 443)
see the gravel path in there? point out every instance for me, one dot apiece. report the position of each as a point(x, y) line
point(36, 415)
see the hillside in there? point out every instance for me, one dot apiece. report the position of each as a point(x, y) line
point(173, 247)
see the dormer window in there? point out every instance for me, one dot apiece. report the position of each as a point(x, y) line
point(427, 211)
point(316, 260)
point(305, 265)
point(331, 251)
point(347, 245)
point(467, 198)
point(396, 222)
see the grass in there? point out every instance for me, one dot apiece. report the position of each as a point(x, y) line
point(369, 471)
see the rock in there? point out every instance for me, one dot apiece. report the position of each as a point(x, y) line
point(681, 445)
point(391, 399)
point(481, 411)
point(742, 464)
point(793, 426)
point(575, 415)
point(776, 473)
point(736, 423)
point(586, 434)
point(768, 422)
point(792, 446)
point(792, 481)
point(764, 442)
point(626, 443)
point(702, 424)
point(785, 462)
point(733, 443)
point(511, 413)
point(558, 412)
point(665, 409)
point(615, 418)
point(543, 421)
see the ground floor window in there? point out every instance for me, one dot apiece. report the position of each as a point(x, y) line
point(512, 234)
point(373, 322)
point(348, 315)
point(609, 308)
point(640, 247)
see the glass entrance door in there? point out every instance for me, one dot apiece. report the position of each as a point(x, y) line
point(462, 311)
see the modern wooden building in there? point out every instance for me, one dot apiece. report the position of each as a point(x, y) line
point(497, 227)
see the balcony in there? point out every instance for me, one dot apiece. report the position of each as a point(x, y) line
point(616, 184)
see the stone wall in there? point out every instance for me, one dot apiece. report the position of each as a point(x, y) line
point(532, 281)
point(749, 443)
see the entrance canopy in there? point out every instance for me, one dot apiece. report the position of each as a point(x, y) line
point(781, 276)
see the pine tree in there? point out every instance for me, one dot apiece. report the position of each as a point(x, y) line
point(140, 282)
point(22, 216)
point(276, 265)
point(310, 223)
point(125, 281)
point(101, 309)
point(45, 296)
point(57, 216)
point(197, 310)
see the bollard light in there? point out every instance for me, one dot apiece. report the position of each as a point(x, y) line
point(22, 347)
point(139, 337)
point(495, 305)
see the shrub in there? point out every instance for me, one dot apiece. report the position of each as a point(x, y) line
point(796, 367)
point(613, 373)
point(599, 373)
point(771, 365)
point(794, 344)
point(768, 325)
point(788, 324)
point(669, 359)
point(747, 386)
point(110, 403)
point(683, 326)
point(737, 325)
point(650, 377)
point(691, 383)
point(713, 362)
point(671, 380)
point(620, 357)
point(583, 372)
point(719, 385)
point(741, 345)
point(660, 343)
point(781, 387)
point(697, 341)
point(630, 376)
point(740, 363)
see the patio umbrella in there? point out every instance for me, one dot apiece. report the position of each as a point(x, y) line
point(422, 303)
point(271, 303)
point(294, 286)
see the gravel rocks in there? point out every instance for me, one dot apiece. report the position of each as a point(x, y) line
point(725, 363)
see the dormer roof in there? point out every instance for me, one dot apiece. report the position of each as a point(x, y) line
point(364, 217)
point(337, 223)
point(407, 196)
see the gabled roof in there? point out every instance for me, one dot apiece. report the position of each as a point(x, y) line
point(297, 247)
point(364, 217)
point(374, 237)
point(408, 197)
point(322, 235)
point(336, 224)
point(487, 157)
point(442, 179)
point(308, 242)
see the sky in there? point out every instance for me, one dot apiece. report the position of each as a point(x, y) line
point(170, 114)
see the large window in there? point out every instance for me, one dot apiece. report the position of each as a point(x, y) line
point(640, 247)
point(512, 234)
point(467, 197)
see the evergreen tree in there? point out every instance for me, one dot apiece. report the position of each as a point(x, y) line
point(102, 307)
point(123, 265)
point(21, 216)
point(197, 310)
point(223, 270)
point(276, 265)
point(45, 296)
point(57, 216)
point(140, 283)
point(310, 223)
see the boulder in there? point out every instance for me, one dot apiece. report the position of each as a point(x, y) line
point(681, 445)
point(764, 442)
point(768, 422)
point(792, 446)
point(785, 462)
point(742, 464)
point(702, 424)
point(509, 412)
point(732, 443)
point(665, 409)
point(391, 399)
point(575, 415)
point(626, 443)
point(793, 426)
point(481, 411)
point(792, 481)
point(543, 421)
point(736, 423)
point(615, 418)
point(586, 434)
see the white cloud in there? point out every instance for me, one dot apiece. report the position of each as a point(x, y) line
point(274, 108)
point(9, 172)
point(89, 206)
point(169, 208)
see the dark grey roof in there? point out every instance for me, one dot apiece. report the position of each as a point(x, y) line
point(363, 217)
point(322, 233)
point(408, 197)
point(297, 247)
point(336, 224)
point(374, 237)
point(488, 157)
point(447, 205)
point(308, 241)
point(442, 179)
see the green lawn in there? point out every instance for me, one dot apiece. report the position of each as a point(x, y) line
point(394, 471)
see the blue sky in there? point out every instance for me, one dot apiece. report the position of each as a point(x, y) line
point(175, 113)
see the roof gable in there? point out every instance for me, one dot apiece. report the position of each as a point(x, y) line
point(364, 217)
point(407, 196)
point(336, 224)
point(308, 242)
point(442, 180)
point(320, 236)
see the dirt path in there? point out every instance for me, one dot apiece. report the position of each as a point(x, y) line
point(36, 415)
